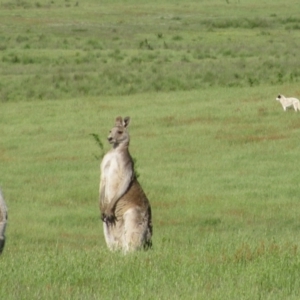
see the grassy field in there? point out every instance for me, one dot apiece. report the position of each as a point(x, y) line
point(54, 50)
point(217, 156)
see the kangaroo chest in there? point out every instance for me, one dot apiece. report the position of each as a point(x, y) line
point(113, 174)
point(110, 166)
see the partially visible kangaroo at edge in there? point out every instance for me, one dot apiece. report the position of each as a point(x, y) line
point(3, 221)
point(125, 209)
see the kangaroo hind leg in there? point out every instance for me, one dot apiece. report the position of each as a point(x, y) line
point(112, 235)
point(135, 229)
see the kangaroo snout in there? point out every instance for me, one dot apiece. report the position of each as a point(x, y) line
point(110, 139)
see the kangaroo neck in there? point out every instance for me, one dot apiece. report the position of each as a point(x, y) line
point(121, 146)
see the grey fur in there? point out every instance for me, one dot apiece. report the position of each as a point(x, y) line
point(3, 221)
point(125, 209)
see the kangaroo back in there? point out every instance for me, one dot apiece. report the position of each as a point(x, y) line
point(3, 221)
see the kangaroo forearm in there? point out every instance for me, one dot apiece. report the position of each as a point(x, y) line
point(121, 190)
point(102, 198)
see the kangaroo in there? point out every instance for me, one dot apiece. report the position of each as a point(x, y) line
point(3, 221)
point(125, 209)
point(288, 102)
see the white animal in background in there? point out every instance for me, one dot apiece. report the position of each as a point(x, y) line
point(125, 209)
point(3, 221)
point(288, 102)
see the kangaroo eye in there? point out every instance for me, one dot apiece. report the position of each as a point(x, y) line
point(120, 132)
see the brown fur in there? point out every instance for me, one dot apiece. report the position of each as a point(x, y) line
point(125, 209)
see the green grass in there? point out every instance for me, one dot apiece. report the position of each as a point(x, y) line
point(216, 155)
point(54, 50)
point(221, 178)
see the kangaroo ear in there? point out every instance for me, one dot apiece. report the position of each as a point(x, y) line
point(126, 121)
point(119, 121)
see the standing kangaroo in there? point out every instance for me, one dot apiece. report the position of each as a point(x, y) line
point(125, 209)
point(3, 221)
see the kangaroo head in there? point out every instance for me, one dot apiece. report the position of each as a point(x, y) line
point(119, 134)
